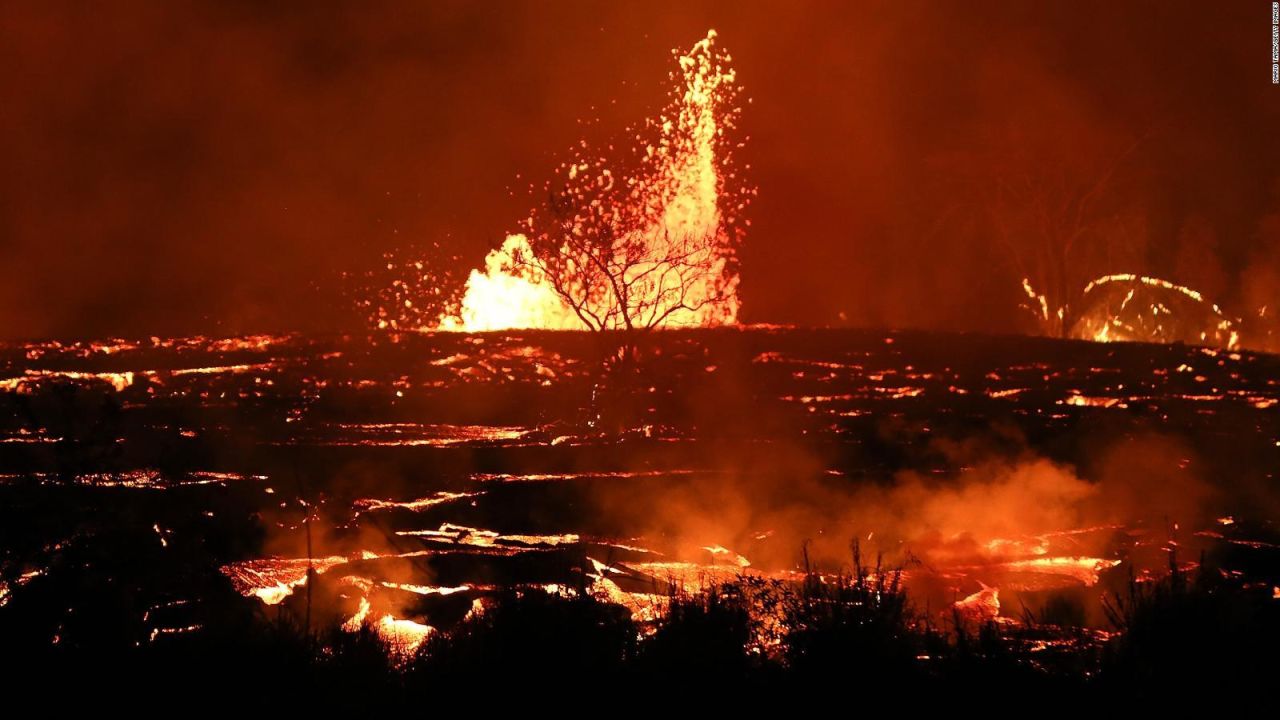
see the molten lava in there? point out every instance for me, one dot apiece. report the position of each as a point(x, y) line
point(498, 300)
point(982, 605)
point(401, 636)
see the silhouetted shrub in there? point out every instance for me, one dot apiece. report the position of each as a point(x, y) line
point(1191, 629)
point(852, 625)
point(529, 639)
point(703, 636)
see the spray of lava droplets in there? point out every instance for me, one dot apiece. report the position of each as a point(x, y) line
point(1128, 318)
point(1136, 308)
point(661, 222)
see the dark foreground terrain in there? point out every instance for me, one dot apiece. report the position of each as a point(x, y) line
point(357, 519)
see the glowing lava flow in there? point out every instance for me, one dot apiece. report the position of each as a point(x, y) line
point(402, 636)
point(651, 245)
point(460, 535)
point(271, 580)
point(1084, 570)
point(982, 605)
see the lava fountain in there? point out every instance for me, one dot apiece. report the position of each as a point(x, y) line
point(642, 234)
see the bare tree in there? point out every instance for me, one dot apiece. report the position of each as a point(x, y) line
point(1057, 209)
point(620, 265)
point(1060, 225)
point(631, 255)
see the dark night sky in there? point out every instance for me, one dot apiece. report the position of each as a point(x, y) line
point(215, 167)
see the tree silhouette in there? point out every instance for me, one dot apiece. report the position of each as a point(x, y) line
point(619, 264)
point(1060, 224)
point(1057, 199)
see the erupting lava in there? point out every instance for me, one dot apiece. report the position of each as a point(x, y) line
point(1135, 308)
point(1146, 309)
point(498, 300)
point(646, 239)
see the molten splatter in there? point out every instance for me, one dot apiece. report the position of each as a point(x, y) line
point(1145, 309)
point(1123, 307)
